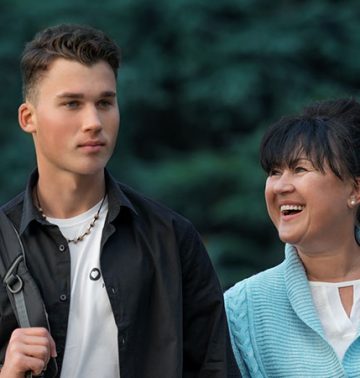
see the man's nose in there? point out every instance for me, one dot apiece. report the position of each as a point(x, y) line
point(91, 119)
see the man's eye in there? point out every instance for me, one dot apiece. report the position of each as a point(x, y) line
point(72, 104)
point(104, 103)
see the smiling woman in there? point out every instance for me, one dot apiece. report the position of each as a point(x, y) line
point(302, 318)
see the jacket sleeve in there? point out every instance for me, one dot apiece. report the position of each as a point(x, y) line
point(207, 347)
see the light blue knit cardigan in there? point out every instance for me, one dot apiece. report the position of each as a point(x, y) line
point(275, 330)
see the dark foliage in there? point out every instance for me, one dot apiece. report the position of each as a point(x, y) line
point(199, 82)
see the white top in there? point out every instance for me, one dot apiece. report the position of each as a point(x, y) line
point(339, 328)
point(91, 348)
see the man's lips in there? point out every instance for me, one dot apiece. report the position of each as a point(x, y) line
point(93, 143)
point(92, 146)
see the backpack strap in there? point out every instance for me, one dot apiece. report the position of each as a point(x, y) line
point(22, 290)
point(14, 285)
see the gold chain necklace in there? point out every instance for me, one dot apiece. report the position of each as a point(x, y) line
point(87, 231)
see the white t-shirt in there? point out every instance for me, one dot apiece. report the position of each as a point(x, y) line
point(340, 329)
point(91, 348)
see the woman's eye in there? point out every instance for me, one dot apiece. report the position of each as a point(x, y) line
point(274, 172)
point(300, 169)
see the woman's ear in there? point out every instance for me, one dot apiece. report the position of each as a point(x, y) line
point(26, 117)
point(354, 198)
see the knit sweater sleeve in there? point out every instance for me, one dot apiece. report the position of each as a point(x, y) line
point(239, 326)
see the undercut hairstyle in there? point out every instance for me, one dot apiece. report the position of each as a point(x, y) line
point(327, 133)
point(79, 43)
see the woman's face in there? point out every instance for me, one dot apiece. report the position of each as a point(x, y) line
point(311, 210)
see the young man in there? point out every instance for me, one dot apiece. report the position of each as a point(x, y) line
point(127, 284)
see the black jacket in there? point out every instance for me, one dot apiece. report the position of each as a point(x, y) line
point(165, 296)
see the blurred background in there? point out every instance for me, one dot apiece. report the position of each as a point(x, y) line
point(200, 82)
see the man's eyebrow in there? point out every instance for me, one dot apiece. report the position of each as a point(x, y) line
point(108, 94)
point(73, 95)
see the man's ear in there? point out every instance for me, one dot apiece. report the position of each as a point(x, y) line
point(26, 117)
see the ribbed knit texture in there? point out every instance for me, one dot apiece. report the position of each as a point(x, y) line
point(275, 330)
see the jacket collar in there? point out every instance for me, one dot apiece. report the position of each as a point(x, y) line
point(298, 290)
point(116, 198)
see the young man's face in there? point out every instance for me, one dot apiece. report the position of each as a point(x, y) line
point(74, 118)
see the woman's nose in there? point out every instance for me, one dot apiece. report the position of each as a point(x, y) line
point(284, 183)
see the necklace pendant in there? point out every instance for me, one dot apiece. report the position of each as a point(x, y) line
point(88, 230)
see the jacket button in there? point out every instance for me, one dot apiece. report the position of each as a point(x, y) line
point(122, 341)
point(63, 297)
point(62, 248)
point(113, 290)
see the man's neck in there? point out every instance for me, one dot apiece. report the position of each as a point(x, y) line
point(68, 195)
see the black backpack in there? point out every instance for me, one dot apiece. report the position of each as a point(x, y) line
point(23, 293)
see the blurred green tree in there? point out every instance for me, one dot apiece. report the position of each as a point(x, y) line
point(199, 83)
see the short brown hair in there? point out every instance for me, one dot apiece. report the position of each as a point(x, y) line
point(83, 44)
